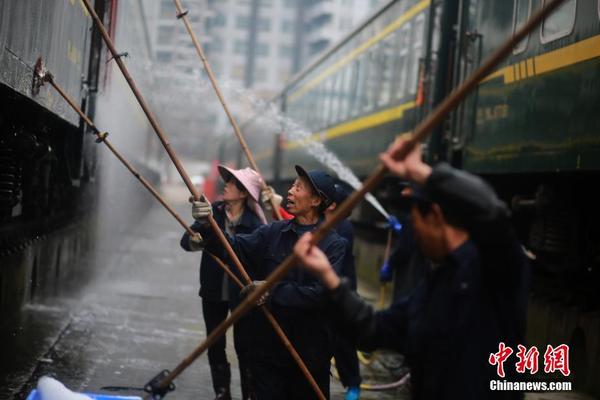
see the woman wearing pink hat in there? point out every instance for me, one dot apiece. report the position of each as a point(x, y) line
point(238, 212)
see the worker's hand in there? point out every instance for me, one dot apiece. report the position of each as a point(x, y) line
point(201, 210)
point(196, 242)
point(315, 261)
point(265, 197)
point(246, 290)
point(411, 167)
point(394, 224)
point(386, 273)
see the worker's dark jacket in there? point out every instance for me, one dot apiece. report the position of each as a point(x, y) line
point(344, 229)
point(463, 309)
point(297, 302)
point(211, 274)
point(407, 260)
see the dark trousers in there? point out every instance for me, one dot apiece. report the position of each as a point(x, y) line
point(276, 381)
point(214, 313)
point(346, 362)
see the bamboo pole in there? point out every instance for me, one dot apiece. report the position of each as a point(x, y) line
point(183, 16)
point(102, 138)
point(194, 191)
point(420, 133)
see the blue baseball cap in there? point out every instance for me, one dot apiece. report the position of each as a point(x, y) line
point(321, 182)
point(342, 190)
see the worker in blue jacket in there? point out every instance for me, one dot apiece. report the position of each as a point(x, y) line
point(472, 299)
point(238, 212)
point(299, 300)
point(344, 352)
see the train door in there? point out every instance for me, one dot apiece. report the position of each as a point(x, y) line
point(436, 79)
point(466, 57)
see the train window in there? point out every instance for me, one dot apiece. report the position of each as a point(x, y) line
point(320, 107)
point(335, 97)
point(310, 110)
point(359, 86)
point(403, 54)
point(560, 23)
point(347, 90)
point(327, 96)
point(417, 45)
point(371, 78)
point(521, 13)
point(386, 59)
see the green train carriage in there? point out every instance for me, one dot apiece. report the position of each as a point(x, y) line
point(531, 128)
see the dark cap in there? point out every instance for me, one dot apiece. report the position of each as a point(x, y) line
point(321, 182)
point(342, 190)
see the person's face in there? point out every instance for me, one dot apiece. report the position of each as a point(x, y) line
point(430, 233)
point(301, 199)
point(232, 193)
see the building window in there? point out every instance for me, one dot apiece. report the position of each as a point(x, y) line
point(238, 72)
point(264, 25)
point(164, 56)
point(261, 49)
point(167, 9)
point(165, 34)
point(215, 45)
point(287, 25)
point(286, 51)
point(217, 20)
point(240, 47)
point(560, 23)
point(242, 22)
point(260, 75)
point(521, 13)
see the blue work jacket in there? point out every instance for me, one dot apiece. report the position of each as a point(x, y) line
point(345, 230)
point(211, 274)
point(298, 301)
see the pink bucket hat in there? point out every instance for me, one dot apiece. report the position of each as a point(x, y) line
point(251, 181)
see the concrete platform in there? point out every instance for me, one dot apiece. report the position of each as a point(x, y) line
point(142, 314)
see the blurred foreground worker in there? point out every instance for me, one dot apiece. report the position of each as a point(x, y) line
point(474, 297)
point(344, 351)
point(239, 212)
point(298, 301)
point(406, 265)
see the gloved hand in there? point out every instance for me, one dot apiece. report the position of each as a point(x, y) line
point(201, 210)
point(394, 224)
point(386, 273)
point(196, 242)
point(266, 195)
point(246, 290)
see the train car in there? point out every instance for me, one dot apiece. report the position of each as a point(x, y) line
point(47, 162)
point(50, 165)
point(531, 129)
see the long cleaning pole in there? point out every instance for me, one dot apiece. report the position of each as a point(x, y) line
point(420, 133)
point(183, 16)
point(194, 191)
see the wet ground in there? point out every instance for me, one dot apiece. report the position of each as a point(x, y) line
point(140, 316)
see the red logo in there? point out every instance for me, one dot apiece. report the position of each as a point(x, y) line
point(499, 358)
point(555, 359)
